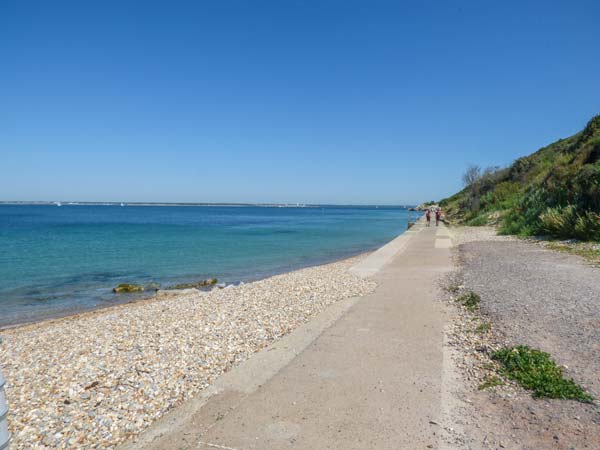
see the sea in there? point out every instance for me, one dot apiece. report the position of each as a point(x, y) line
point(56, 260)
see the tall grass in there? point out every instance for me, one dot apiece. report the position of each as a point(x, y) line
point(566, 222)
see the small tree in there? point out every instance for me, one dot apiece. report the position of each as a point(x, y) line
point(471, 175)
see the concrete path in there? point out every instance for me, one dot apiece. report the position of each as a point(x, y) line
point(365, 375)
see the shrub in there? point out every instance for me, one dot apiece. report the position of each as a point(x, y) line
point(523, 218)
point(478, 221)
point(566, 222)
point(587, 226)
point(559, 222)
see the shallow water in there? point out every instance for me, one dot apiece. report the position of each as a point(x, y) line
point(56, 259)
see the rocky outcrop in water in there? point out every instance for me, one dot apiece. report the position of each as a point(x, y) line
point(128, 287)
point(196, 284)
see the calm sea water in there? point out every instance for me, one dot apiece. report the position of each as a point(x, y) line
point(57, 259)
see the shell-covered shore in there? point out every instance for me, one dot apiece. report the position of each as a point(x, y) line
point(97, 378)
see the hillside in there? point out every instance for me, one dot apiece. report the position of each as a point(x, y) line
point(554, 191)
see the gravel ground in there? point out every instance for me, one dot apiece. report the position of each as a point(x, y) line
point(95, 379)
point(542, 298)
point(464, 235)
point(533, 296)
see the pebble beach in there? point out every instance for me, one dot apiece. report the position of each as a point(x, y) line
point(95, 379)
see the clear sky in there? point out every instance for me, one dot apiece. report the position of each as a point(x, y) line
point(284, 101)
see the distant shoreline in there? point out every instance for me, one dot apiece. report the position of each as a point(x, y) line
point(264, 205)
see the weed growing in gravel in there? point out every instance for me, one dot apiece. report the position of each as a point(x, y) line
point(469, 300)
point(483, 328)
point(537, 371)
point(490, 382)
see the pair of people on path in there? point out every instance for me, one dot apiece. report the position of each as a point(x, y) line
point(438, 216)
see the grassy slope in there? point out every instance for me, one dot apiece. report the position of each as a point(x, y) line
point(555, 190)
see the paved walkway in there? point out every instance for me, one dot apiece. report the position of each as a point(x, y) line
point(368, 376)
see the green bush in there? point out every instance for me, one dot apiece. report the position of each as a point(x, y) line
point(566, 222)
point(559, 222)
point(587, 226)
point(478, 221)
point(523, 218)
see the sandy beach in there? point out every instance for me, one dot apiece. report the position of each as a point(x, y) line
point(94, 379)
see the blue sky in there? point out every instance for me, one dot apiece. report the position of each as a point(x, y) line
point(284, 101)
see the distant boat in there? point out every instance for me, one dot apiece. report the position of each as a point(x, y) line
point(122, 204)
point(58, 203)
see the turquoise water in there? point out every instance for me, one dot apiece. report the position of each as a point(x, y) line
point(57, 259)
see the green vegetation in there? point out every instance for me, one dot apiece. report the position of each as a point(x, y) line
point(127, 287)
point(589, 251)
point(490, 382)
point(483, 328)
point(469, 300)
point(196, 284)
point(554, 191)
point(537, 371)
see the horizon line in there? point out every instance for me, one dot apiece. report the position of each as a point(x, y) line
point(264, 204)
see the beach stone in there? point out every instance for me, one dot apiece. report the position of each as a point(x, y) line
point(127, 287)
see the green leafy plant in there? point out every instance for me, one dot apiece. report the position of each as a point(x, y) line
point(537, 371)
point(483, 328)
point(470, 300)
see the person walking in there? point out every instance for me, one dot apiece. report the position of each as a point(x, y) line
point(428, 216)
point(438, 216)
